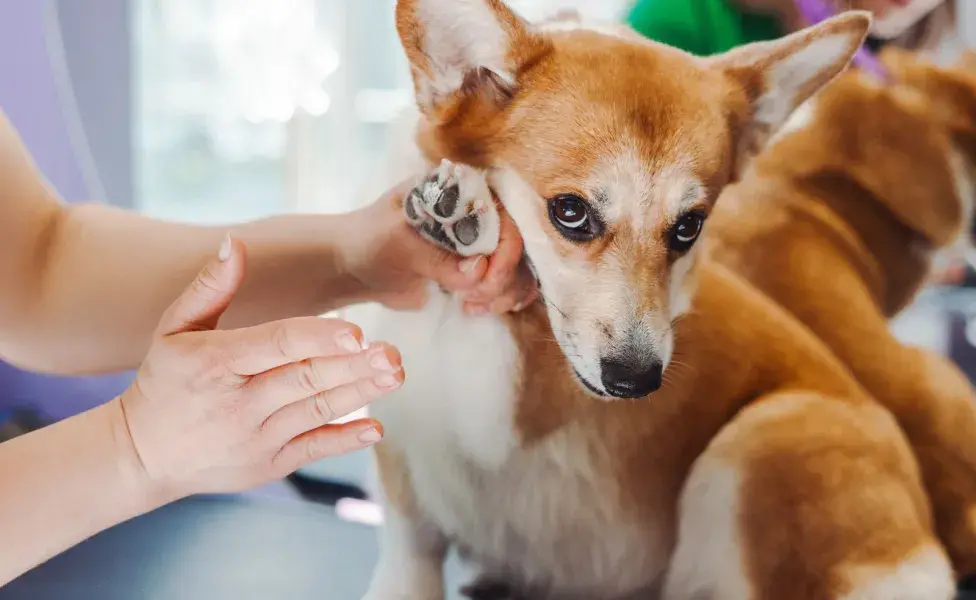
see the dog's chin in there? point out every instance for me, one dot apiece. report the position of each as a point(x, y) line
point(590, 388)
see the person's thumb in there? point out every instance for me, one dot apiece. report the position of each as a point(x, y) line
point(200, 306)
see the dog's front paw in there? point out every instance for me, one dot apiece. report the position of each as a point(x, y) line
point(453, 208)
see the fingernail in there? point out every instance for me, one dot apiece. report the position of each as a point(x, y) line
point(386, 381)
point(370, 436)
point(225, 246)
point(348, 342)
point(469, 264)
point(380, 361)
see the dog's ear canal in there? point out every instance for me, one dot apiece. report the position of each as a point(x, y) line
point(771, 79)
point(460, 49)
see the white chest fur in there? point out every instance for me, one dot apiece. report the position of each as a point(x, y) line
point(549, 512)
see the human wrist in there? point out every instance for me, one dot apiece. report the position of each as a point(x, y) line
point(147, 491)
point(349, 257)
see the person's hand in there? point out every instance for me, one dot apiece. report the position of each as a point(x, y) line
point(395, 264)
point(789, 15)
point(879, 7)
point(222, 411)
point(949, 268)
point(786, 6)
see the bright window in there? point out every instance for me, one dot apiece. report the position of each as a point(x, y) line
point(246, 108)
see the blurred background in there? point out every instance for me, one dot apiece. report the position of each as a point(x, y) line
point(217, 111)
point(245, 108)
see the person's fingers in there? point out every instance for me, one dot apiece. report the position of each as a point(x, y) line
point(264, 347)
point(504, 260)
point(326, 441)
point(326, 407)
point(200, 306)
point(296, 381)
point(451, 271)
point(519, 293)
point(513, 301)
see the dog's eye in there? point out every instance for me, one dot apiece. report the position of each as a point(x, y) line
point(686, 231)
point(570, 212)
point(571, 216)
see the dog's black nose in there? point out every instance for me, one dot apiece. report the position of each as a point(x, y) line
point(627, 380)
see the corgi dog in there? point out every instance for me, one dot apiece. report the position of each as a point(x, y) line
point(856, 196)
point(655, 427)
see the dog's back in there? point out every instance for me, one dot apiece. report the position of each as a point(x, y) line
point(838, 223)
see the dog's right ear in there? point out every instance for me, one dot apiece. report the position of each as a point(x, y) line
point(464, 48)
point(777, 76)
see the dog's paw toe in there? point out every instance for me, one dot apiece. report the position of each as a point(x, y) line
point(453, 208)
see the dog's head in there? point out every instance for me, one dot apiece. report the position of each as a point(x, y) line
point(608, 151)
point(947, 96)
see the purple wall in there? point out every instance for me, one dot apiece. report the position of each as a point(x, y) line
point(31, 97)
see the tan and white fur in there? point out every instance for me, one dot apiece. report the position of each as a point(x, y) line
point(839, 221)
point(752, 466)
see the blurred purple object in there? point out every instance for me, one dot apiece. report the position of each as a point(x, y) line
point(35, 97)
point(815, 11)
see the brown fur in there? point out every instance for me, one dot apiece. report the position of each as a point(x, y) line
point(828, 486)
point(837, 224)
point(838, 440)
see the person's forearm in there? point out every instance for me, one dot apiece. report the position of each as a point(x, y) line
point(81, 288)
point(108, 274)
point(64, 483)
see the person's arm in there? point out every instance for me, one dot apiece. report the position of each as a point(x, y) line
point(209, 412)
point(64, 483)
point(81, 287)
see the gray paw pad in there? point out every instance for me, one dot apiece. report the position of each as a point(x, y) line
point(453, 208)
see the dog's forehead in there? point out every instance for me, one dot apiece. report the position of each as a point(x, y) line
point(628, 186)
point(618, 110)
point(651, 82)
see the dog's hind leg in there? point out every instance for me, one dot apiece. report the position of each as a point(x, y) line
point(804, 497)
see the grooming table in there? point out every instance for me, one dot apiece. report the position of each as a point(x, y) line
point(220, 548)
point(217, 548)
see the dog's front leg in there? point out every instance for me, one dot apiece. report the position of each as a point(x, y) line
point(453, 208)
point(412, 550)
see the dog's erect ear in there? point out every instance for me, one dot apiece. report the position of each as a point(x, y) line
point(949, 92)
point(463, 47)
point(777, 76)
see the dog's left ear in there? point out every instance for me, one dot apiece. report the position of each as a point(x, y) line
point(460, 49)
point(773, 78)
